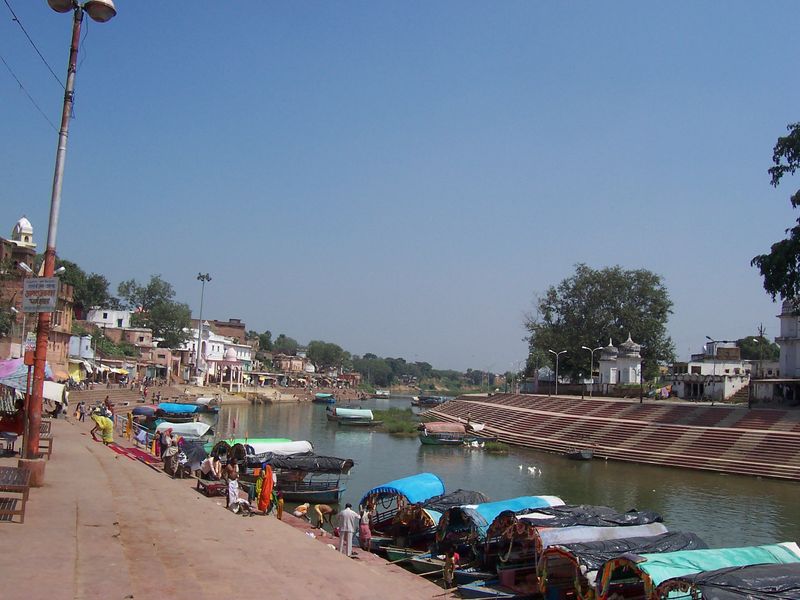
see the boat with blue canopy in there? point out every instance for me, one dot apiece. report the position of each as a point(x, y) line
point(414, 525)
point(642, 576)
point(468, 524)
point(383, 501)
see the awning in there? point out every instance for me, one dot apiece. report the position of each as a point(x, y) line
point(119, 371)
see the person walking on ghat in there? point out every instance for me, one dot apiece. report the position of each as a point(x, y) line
point(348, 524)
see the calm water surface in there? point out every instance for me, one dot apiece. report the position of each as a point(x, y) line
point(725, 510)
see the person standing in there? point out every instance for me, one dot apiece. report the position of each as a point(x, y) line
point(348, 523)
point(364, 532)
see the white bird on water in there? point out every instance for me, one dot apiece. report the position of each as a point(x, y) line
point(520, 467)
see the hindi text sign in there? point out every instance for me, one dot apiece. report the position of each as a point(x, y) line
point(40, 294)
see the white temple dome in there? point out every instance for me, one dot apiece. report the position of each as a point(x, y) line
point(23, 233)
point(230, 354)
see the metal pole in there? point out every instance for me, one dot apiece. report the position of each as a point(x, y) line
point(34, 415)
point(556, 374)
point(202, 278)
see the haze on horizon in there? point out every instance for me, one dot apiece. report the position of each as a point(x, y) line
point(405, 178)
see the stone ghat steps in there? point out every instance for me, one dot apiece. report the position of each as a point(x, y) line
point(767, 447)
point(122, 395)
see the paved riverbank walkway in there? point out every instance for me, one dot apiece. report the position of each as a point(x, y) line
point(108, 527)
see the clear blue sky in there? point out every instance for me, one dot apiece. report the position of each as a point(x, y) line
point(404, 178)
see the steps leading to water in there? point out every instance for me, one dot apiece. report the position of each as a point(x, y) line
point(763, 442)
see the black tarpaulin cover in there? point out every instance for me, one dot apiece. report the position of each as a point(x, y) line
point(311, 463)
point(593, 554)
point(589, 516)
point(754, 582)
point(457, 498)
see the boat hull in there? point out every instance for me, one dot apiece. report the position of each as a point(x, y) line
point(490, 589)
point(433, 440)
point(318, 496)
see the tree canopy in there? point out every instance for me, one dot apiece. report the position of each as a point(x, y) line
point(758, 348)
point(594, 305)
point(156, 309)
point(88, 289)
point(325, 355)
point(283, 344)
point(780, 267)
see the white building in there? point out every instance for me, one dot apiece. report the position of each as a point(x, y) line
point(717, 373)
point(623, 365)
point(106, 317)
point(789, 340)
point(220, 356)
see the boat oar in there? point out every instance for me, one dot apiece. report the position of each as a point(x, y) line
point(439, 570)
point(446, 592)
point(393, 562)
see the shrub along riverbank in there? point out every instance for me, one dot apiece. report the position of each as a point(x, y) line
point(397, 421)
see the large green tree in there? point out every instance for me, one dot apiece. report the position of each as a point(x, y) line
point(594, 305)
point(285, 345)
point(780, 267)
point(325, 355)
point(156, 309)
point(88, 289)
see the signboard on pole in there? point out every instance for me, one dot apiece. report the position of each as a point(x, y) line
point(40, 294)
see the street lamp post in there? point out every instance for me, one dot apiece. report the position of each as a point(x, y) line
point(557, 354)
point(591, 365)
point(714, 376)
point(202, 278)
point(101, 11)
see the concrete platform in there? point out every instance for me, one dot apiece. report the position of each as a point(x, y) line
point(107, 527)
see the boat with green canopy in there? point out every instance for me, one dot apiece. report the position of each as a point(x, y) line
point(642, 576)
point(761, 582)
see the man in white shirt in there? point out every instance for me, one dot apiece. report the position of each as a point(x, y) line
point(348, 524)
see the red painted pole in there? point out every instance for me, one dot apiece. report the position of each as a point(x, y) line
point(34, 414)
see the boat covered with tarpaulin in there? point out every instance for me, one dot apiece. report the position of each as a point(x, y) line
point(415, 525)
point(321, 398)
point(383, 501)
point(303, 477)
point(442, 434)
point(570, 570)
point(641, 575)
point(184, 408)
point(192, 431)
point(474, 519)
point(351, 416)
point(514, 540)
point(753, 582)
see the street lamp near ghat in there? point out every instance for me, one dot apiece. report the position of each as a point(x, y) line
point(557, 354)
point(202, 278)
point(591, 365)
point(100, 11)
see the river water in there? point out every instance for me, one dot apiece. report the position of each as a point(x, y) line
point(725, 510)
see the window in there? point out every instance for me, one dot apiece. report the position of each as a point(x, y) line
point(105, 315)
point(141, 339)
point(119, 322)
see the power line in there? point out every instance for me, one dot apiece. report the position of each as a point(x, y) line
point(22, 87)
point(21, 26)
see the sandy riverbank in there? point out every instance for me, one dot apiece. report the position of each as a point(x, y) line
point(105, 526)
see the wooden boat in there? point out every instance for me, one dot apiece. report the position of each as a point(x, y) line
point(580, 454)
point(491, 588)
point(569, 571)
point(357, 417)
point(652, 576)
point(305, 477)
point(421, 563)
point(383, 500)
point(414, 525)
point(442, 434)
point(381, 394)
point(320, 398)
point(423, 401)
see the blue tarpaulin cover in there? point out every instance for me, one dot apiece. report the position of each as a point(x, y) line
point(415, 488)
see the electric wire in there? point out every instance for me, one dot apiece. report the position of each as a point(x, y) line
point(22, 87)
point(21, 26)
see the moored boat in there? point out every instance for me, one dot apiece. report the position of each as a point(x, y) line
point(305, 477)
point(442, 434)
point(190, 431)
point(351, 416)
point(568, 571)
point(423, 401)
point(580, 454)
point(321, 398)
point(383, 501)
point(381, 394)
point(642, 576)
